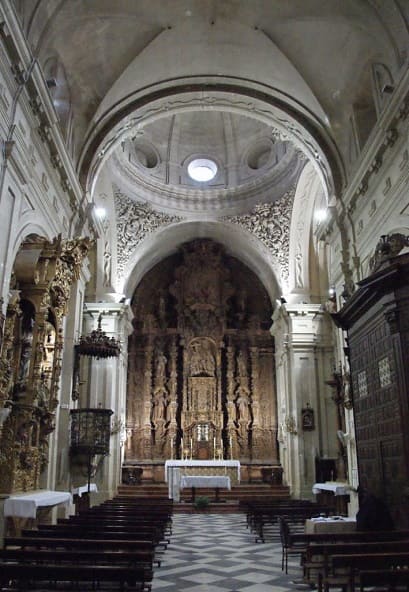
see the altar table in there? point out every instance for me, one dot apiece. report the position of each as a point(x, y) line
point(336, 487)
point(176, 469)
point(332, 524)
point(25, 505)
point(84, 489)
point(195, 481)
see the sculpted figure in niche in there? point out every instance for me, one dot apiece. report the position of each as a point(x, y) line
point(202, 362)
point(107, 265)
point(241, 364)
point(159, 405)
point(161, 361)
point(26, 348)
point(243, 406)
point(162, 309)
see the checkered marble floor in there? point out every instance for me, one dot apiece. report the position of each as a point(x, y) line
point(217, 553)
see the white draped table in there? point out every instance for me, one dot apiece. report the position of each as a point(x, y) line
point(216, 481)
point(175, 470)
point(84, 489)
point(25, 505)
point(336, 487)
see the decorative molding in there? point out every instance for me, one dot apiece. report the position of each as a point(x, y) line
point(283, 126)
point(135, 220)
point(270, 223)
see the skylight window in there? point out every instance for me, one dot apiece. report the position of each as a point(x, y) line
point(202, 170)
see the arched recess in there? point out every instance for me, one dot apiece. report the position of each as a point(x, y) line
point(302, 257)
point(201, 362)
point(57, 83)
point(237, 242)
point(307, 134)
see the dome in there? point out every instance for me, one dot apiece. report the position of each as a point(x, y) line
point(212, 159)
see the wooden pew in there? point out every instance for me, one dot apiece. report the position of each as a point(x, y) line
point(389, 579)
point(101, 530)
point(346, 567)
point(141, 558)
point(54, 542)
point(50, 575)
point(320, 559)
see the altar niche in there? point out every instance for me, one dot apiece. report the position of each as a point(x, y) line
point(201, 362)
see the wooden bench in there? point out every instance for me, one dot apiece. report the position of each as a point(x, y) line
point(51, 576)
point(345, 568)
point(388, 579)
point(140, 558)
point(321, 560)
point(77, 530)
point(54, 542)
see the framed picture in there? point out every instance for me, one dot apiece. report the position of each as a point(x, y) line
point(307, 418)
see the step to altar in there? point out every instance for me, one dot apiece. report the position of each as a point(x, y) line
point(238, 493)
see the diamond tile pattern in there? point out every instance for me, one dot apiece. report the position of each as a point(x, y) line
point(217, 553)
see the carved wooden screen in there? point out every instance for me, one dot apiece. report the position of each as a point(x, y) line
point(377, 320)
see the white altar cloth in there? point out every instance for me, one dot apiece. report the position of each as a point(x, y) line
point(336, 487)
point(174, 471)
point(84, 489)
point(25, 505)
point(205, 481)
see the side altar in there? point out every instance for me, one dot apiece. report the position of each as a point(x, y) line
point(176, 469)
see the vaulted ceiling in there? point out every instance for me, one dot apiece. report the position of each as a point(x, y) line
point(259, 88)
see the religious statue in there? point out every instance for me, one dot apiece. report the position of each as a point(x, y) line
point(243, 406)
point(107, 265)
point(161, 361)
point(202, 361)
point(158, 406)
point(241, 364)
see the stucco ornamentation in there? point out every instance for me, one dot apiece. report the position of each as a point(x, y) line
point(134, 222)
point(271, 224)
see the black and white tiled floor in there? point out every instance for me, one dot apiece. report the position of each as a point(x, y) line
point(217, 553)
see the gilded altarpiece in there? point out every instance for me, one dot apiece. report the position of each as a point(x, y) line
point(31, 356)
point(201, 362)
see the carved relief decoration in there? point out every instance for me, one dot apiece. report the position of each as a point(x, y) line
point(201, 361)
point(134, 221)
point(271, 224)
point(31, 356)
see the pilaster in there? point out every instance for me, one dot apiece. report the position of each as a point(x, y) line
point(303, 340)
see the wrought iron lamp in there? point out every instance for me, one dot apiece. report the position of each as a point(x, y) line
point(98, 345)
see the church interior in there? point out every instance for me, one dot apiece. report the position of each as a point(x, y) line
point(204, 246)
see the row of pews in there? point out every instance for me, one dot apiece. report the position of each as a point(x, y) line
point(351, 561)
point(262, 515)
point(110, 547)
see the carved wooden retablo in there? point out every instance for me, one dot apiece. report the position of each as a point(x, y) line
point(201, 362)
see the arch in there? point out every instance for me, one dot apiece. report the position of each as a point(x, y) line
point(308, 189)
point(237, 242)
point(240, 96)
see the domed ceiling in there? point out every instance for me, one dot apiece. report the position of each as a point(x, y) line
point(214, 161)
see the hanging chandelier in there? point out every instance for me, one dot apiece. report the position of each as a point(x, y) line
point(98, 345)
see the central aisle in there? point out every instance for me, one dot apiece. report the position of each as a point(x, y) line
point(216, 553)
